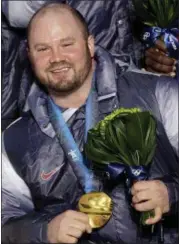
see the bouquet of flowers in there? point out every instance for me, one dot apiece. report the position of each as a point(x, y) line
point(159, 17)
point(124, 142)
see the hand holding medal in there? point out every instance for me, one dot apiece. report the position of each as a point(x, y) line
point(98, 207)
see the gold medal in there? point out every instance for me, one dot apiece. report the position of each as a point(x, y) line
point(98, 206)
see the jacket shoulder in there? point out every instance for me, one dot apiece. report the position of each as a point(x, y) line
point(137, 89)
point(141, 79)
point(16, 129)
point(16, 140)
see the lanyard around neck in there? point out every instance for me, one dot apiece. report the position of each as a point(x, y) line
point(73, 154)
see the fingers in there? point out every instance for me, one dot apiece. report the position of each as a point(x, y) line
point(78, 216)
point(140, 196)
point(80, 219)
point(144, 206)
point(68, 227)
point(70, 239)
point(161, 46)
point(73, 228)
point(157, 62)
point(172, 74)
point(158, 66)
point(156, 218)
point(84, 227)
point(140, 185)
point(75, 232)
point(88, 229)
point(159, 57)
point(144, 198)
point(151, 195)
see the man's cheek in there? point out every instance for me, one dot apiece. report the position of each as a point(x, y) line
point(41, 64)
point(75, 54)
point(40, 58)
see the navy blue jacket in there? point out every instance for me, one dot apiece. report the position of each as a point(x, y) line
point(32, 147)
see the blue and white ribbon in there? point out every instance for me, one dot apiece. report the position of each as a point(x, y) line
point(170, 38)
point(75, 157)
point(131, 174)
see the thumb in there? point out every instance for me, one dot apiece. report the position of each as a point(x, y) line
point(156, 218)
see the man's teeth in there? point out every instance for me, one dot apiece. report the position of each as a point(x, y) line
point(60, 70)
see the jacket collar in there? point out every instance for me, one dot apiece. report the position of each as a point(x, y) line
point(105, 77)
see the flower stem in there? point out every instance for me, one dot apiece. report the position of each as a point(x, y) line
point(146, 215)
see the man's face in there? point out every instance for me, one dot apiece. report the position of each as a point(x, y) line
point(59, 53)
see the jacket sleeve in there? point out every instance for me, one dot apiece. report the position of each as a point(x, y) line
point(167, 97)
point(20, 222)
point(12, 69)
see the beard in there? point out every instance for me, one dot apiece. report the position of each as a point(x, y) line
point(69, 81)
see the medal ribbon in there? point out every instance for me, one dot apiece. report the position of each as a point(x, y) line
point(74, 156)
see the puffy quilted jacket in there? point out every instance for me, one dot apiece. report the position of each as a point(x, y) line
point(32, 147)
point(11, 73)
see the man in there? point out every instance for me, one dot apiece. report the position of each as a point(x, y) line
point(111, 29)
point(66, 67)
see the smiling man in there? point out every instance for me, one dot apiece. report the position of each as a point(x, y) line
point(62, 55)
point(68, 68)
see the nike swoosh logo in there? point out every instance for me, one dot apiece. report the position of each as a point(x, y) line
point(47, 176)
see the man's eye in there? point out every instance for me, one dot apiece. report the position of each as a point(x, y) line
point(43, 49)
point(67, 44)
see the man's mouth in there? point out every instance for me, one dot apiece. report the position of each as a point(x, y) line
point(58, 70)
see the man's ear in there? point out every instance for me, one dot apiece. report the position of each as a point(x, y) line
point(91, 45)
point(28, 50)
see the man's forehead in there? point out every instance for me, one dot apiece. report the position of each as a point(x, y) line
point(51, 14)
point(56, 28)
point(51, 23)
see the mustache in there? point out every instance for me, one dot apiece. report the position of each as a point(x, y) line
point(59, 65)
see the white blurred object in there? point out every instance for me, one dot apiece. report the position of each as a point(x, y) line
point(19, 13)
point(16, 197)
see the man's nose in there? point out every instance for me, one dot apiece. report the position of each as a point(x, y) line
point(56, 56)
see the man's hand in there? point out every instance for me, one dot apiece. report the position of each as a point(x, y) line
point(151, 195)
point(68, 227)
point(156, 60)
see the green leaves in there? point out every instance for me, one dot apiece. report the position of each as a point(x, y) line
point(140, 133)
point(160, 13)
point(126, 136)
point(98, 151)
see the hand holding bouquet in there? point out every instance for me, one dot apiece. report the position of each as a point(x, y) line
point(124, 142)
point(161, 19)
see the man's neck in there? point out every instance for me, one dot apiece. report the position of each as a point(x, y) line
point(74, 99)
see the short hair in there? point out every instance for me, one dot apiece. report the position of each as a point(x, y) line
point(76, 14)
